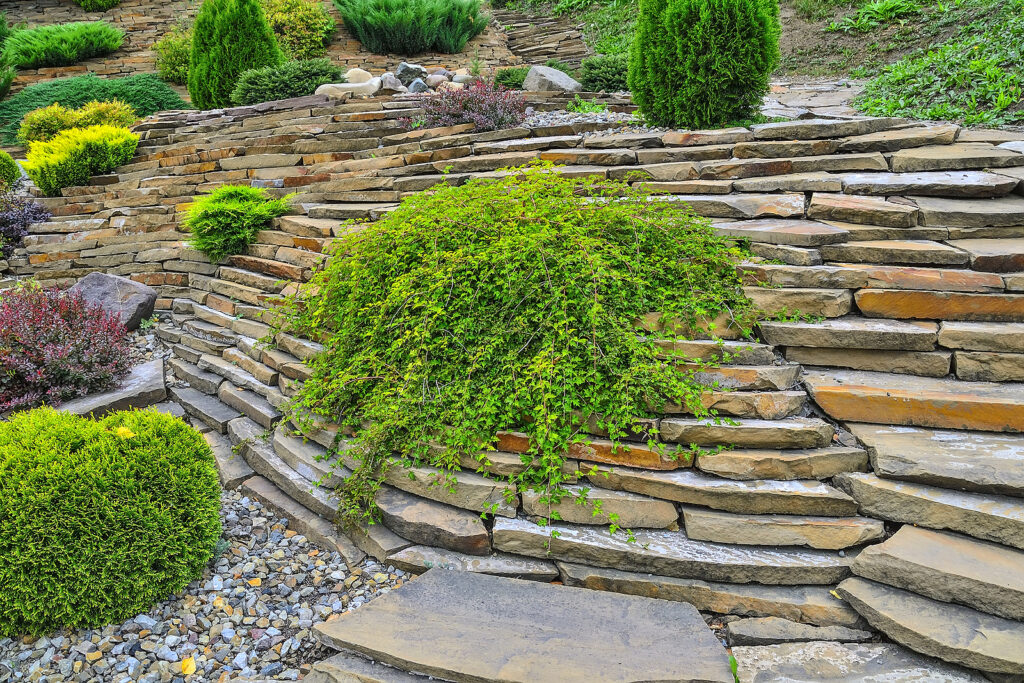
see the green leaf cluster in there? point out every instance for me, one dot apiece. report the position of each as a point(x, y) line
point(226, 221)
point(291, 79)
point(73, 156)
point(173, 53)
point(411, 27)
point(97, 5)
point(505, 304)
point(61, 44)
point(703, 63)
point(99, 519)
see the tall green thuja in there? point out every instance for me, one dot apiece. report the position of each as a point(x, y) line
point(703, 63)
point(229, 38)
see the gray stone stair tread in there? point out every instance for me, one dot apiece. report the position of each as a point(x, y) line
point(772, 630)
point(919, 252)
point(957, 156)
point(419, 558)
point(853, 332)
point(671, 553)
point(143, 387)
point(802, 233)
point(970, 213)
point(431, 523)
point(349, 668)
point(204, 381)
point(471, 627)
point(758, 496)
point(250, 404)
point(633, 511)
point(824, 533)
point(949, 567)
point(809, 463)
point(831, 662)
point(231, 466)
point(805, 604)
point(209, 409)
point(795, 432)
point(994, 255)
point(930, 183)
point(986, 516)
point(810, 129)
point(465, 490)
point(965, 460)
point(953, 633)
point(308, 458)
point(999, 337)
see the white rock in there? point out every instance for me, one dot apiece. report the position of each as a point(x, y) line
point(544, 78)
point(358, 76)
point(340, 90)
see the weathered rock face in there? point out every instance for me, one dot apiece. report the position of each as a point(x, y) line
point(772, 630)
point(143, 387)
point(407, 73)
point(544, 78)
point(132, 302)
point(828, 533)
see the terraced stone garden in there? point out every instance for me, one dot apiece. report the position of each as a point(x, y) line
point(331, 365)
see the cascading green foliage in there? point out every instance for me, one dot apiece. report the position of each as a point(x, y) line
point(229, 38)
point(411, 27)
point(226, 221)
point(506, 304)
point(100, 519)
point(703, 63)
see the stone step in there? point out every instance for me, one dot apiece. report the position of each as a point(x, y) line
point(766, 496)
point(825, 533)
point(309, 459)
point(789, 205)
point(920, 363)
point(794, 432)
point(859, 275)
point(861, 209)
point(989, 517)
point(955, 157)
point(955, 634)
point(747, 377)
point(853, 333)
point(721, 351)
point(419, 558)
point(983, 462)
point(587, 635)
point(582, 505)
point(670, 553)
point(350, 668)
point(231, 467)
point(814, 463)
point(857, 396)
point(994, 255)
point(207, 409)
point(727, 168)
point(892, 252)
point(803, 604)
point(901, 138)
point(356, 210)
point(826, 303)
point(811, 129)
point(888, 303)
point(797, 232)
point(950, 568)
point(144, 386)
point(759, 405)
point(464, 490)
point(772, 630)
point(430, 523)
point(959, 184)
point(998, 337)
point(970, 213)
point(250, 404)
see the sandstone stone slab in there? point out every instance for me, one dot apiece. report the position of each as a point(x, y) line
point(831, 662)
point(994, 255)
point(955, 157)
point(814, 463)
point(971, 213)
point(981, 366)
point(747, 377)
point(207, 409)
point(595, 506)
point(419, 558)
point(796, 232)
point(825, 533)
point(761, 405)
point(430, 523)
point(143, 387)
point(468, 627)
point(828, 303)
point(952, 633)
point(707, 137)
point(997, 337)
point(812, 181)
point(810, 129)
point(738, 352)
point(465, 490)
point(790, 205)
point(772, 630)
point(901, 138)
point(920, 363)
point(796, 256)
point(853, 332)
point(803, 604)
point(789, 433)
point(989, 517)
point(887, 303)
point(804, 275)
point(779, 149)
point(936, 279)
point(671, 553)
point(804, 497)
point(961, 184)
point(865, 210)
point(912, 252)
point(950, 568)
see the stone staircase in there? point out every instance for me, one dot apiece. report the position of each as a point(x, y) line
point(535, 39)
point(883, 387)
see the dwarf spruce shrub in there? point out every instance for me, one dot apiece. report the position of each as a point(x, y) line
point(512, 77)
point(226, 221)
point(9, 171)
point(72, 157)
point(46, 123)
point(605, 72)
point(291, 79)
point(703, 63)
point(61, 44)
point(100, 519)
point(229, 38)
point(411, 27)
point(505, 304)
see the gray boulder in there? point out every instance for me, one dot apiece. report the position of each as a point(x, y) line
point(544, 78)
point(389, 84)
point(131, 301)
point(418, 86)
point(407, 73)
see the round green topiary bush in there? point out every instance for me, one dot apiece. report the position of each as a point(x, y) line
point(100, 519)
point(9, 170)
point(703, 63)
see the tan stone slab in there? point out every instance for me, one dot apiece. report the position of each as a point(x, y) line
point(603, 451)
point(706, 137)
point(790, 205)
point(971, 213)
point(936, 279)
point(778, 149)
point(909, 252)
point(746, 377)
point(678, 154)
point(815, 181)
point(921, 363)
point(801, 275)
point(825, 533)
point(585, 505)
point(829, 303)
point(989, 367)
point(955, 157)
point(809, 129)
point(865, 210)
point(430, 523)
point(796, 256)
point(901, 138)
point(673, 172)
point(813, 463)
point(464, 490)
point(1000, 337)
point(802, 233)
point(909, 305)
point(965, 184)
point(753, 168)
point(689, 187)
point(419, 558)
point(994, 255)
point(852, 333)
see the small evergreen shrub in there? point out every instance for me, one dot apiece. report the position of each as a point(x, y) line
point(606, 72)
point(55, 347)
point(100, 519)
point(173, 53)
point(10, 172)
point(304, 28)
point(97, 5)
point(44, 124)
point(291, 79)
point(17, 212)
point(411, 27)
point(61, 44)
point(73, 156)
point(146, 94)
point(229, 38)
point(703, 63)
point(512, 77)
point(226, 221)
point(7, 76)
point(487, 105)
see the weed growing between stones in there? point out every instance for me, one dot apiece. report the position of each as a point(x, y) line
point(505, 304)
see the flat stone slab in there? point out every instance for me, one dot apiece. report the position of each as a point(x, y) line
point(827, 303)
point(997, 337)
point(232, 469)
point(795, 432)
point(671, 553)
point(921, 363)
point(971, 213)
point(801, 233)
point(349, 668)
point(467, 627)
point(906, 277)
point(984, 462)
point(802, 463)
point(825, 533)
point(963, 184)
point(994, 255)
point(864, 210)
point(831, 662)
point(586, 505)
point(988, 517)
point(901, 138)
point(949, 567)
point(953, 633)
point(419, 558)
point(955, 157)
point(207, 409)
point(889, 303)
point(742, 205)
point(466, 490)
point(853, 332)
point(911, 252)
point(772, 630)
point(812, 181)
point(810, 129)
point(431, 523)
point(143, 387)
point(804, 604)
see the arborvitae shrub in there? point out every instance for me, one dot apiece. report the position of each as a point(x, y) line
point(229, 38)
point(73, 156)
point(173, 53)
point(410, 27)
point(703, 63)
point(606, 72)
point(226, 221)
point(46, 123)
point(61, 44)
point(9, 171)
point(100, 519)
point(291, 79)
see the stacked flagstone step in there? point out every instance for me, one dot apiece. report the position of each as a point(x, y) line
point(536, 39)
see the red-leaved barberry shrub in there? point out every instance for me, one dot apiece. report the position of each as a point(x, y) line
point(488, 106)
point(54, 347)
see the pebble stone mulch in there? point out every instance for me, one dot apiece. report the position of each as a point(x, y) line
point(250, 615)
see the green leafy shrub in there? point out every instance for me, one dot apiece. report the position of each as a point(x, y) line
point(9, 171)
point(606, 72)
point(97, 5)
point(146, 94)
point(874, 14)
point(504, 304)
point(229, 38)
point(46, 123)
point(703, 63)
point(512, 77)
point(173, 52)
point(61, 44)
point(73, 156)
point(411, 27)
point(100, 519)
point(304, 28)
point(291, 79)
point(226, 221)
point(582, 106)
